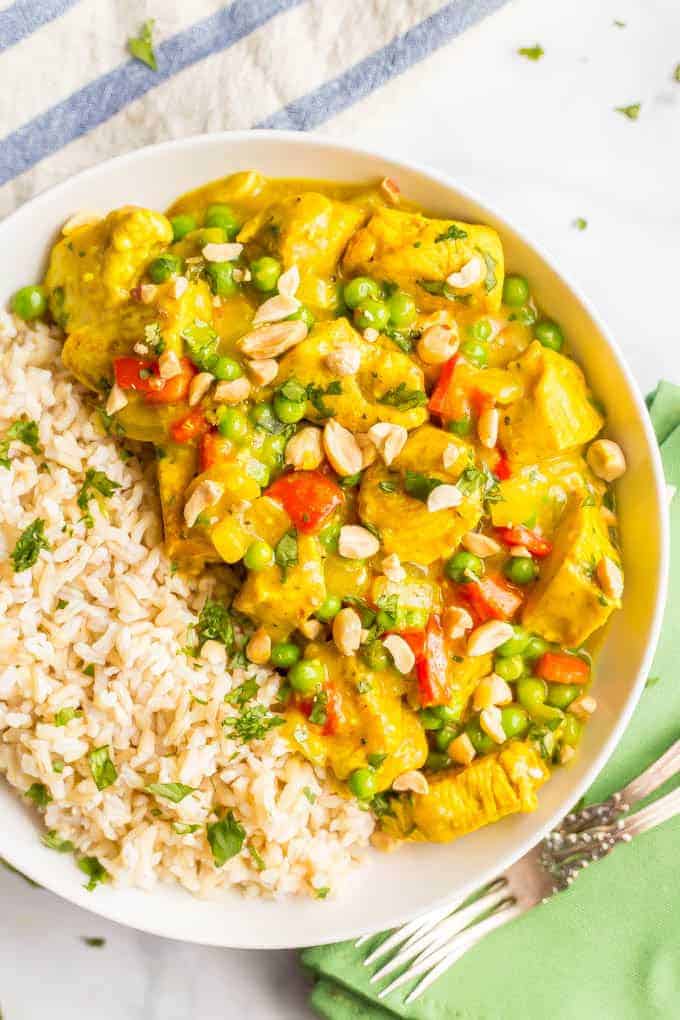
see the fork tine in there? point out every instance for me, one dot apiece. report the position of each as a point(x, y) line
point(418, 948)
point(407, 931)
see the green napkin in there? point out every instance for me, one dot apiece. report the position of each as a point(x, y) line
point(607, 948)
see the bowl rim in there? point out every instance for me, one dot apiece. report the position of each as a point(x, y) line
point(660, 580)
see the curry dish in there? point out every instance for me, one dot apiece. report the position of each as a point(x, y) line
point(373, 436)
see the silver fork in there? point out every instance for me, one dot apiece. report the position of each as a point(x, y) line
point(427, 946)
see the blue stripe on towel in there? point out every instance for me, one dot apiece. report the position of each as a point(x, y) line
point(329, 99)
point(109, 94)
point(23, 17)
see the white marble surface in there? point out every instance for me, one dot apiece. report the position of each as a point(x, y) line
point(542, 143)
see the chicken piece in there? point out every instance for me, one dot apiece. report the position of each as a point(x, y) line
point(538, 493)
point(310, 231)
point(282, 600)
point(419, 254)
point(372, 719)
point(462, 800)
point(567, 604)
point(239, 527)
point(176, 471)
point(383, 375)
point(556, 412)
point(406, 526)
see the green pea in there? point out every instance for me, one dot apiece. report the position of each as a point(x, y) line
point(209, 235)
point(223, 216)
point(535, 647)
point(475, 352)
point(444, 736)
point(447, 714)
point(227, 369)
point(221, 278)
point(29, 303)
point(571, 730)
point(182, 225)
point(437, 760)
point(262, 414)
point(461, 426)
point(265, 273)
point(272, 450)
point(259, 555)
point(514, 720)
point(520, 570)
point(547, 715)
point(509, 668)
point(360, 288)
point(531, 692)
point(329, 536)
point(165, 266)
point(416, 619)
point(258, 471)
point(461, 565)
point(429, 719)
point(515, 291)
point(402, 309)
point(288, 411)
point(562, 695)
point(372, 314)
point(362, 783)
point(306, 676)
point(232, 423)
point(304, 314)
point(284, 654)
point(329, 608)
point(549, 334)
point(480, 330)
point(514, 645)
point(376, 656)
point(480, 740)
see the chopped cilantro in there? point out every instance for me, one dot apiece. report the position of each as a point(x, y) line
point(632, 112)
point(387, 486)
point(184, 828)
point(322, 893)
point(534, 52)
point(243, 693)
point(350, 481)
point(176, 792)
point(215, 624)
point(153, 339)
point(141, 46)
point(89, 670)
point(293, 390)
point(490, 279)
point(201, 343)
point(58, 766)
point(580, 223)
point(30, 542)
point(652, 681)
point(319, 713)
point(381, 805)
point(452, 233)
point(102, 768)
point(376, 760)
point(54, 841)
point(93, 940)
point(95, 871)
point(226, 838)
point(257, 859)
point(618, 24)
point(479, 481)
point(62, 604)
point(26, 432)
point(254, 723)
point(286, 552)
point(403, 398)
point(39, 794)
point(64, 715)
point(420, 486)
point(676, 73)
point(403, 339)
point(309, 794)
point(315, 395)
point(96, 484)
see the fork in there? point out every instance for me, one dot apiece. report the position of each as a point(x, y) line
point(430, 944)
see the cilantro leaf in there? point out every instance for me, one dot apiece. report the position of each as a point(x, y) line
point(534, 52)
point(153, 338)
point(254, 723)
point(286, 552)
point(95, 871)
point(315, 395)
point(490, 279)
point(30, 542)
point(93, 940)
point(387, 486)
point(175, 792)
point(420, 486)
point(184, 828)
point(309, 794)
point(39, 794)
point(319, 714)
point(580, 223)
point(243, 693)
point(26, 431)
point(226, 838)
point(215, 624)
point(141, 46)
point(102, 768)
point(96, 483)
point(632, 112)
point(257, 859)
point(54, 841)
point(403, 398)
point(452, 233)
point(201, 343)
point(64, 715)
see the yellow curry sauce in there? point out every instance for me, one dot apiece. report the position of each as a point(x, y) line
point(370, 434)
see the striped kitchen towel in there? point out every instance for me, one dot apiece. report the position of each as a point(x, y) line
point(73, 96)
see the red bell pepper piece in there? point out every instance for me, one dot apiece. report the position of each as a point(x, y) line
point(492, 598)
point(333, 710)
point(191, 427)
point(213, 448)
point(432, 666)
point(308, 497)
point(562, 668)
point(531, 540)
point(141, 375)
point(502, 469)
point(447, 400)
point(415, 639)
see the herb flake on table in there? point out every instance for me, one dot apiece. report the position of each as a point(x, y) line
point(141, 45)
point(632, 111)
point(31, 540)
point(579, 223)
point(95, 941)
point(225, 838)
point(618, 24)
point(676, 73)
point(102, 768)
point(534, 52)
point(175, 792)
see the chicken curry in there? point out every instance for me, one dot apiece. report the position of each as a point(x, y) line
point(373, 436)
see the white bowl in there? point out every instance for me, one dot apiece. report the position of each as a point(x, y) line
point(389, 888)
